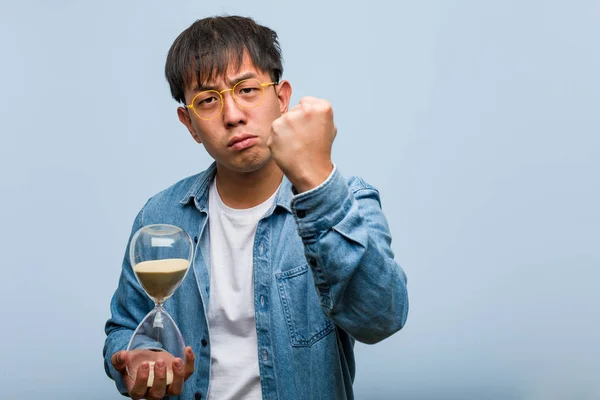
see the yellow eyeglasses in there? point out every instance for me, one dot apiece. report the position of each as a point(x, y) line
point(248, 93)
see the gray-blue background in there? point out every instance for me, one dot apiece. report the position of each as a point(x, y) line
point(478, 121)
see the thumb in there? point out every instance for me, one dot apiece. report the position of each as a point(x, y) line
point(271, 133)
point(119, 360)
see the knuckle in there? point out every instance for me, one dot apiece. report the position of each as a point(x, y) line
point(307, 107)
point(155, 394)
point(288, 119)
point(174, 391)
point(325, 107)
point(277, 123)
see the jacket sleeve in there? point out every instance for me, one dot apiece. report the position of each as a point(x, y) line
point(129, 305)
point(347, 244)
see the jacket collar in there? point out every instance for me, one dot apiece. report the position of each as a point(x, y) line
point(198, 191)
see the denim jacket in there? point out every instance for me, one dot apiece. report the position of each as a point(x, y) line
point(324, 276)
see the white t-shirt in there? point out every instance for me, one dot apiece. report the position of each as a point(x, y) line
point(234, 350)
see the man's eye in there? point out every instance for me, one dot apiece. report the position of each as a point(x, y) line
point(207, 101)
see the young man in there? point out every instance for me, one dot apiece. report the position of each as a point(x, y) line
point(292, 263)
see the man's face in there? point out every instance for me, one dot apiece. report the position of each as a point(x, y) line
point(237, 138)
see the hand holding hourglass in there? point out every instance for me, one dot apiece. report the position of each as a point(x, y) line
point(138, 388)
point(156, 362)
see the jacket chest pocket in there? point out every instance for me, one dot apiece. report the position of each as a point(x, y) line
point(305, 319)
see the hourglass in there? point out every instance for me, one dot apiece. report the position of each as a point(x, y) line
point(160, 256)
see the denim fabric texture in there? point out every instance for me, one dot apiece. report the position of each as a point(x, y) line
point(324, 276)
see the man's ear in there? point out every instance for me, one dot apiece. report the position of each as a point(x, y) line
point(284, 92)
point(184, 117)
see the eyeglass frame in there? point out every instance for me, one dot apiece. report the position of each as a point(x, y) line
point(220, 93)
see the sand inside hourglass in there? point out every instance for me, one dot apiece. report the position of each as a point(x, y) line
point(160, 277)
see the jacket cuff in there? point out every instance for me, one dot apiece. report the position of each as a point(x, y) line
point(110, 370)
point(323, 207)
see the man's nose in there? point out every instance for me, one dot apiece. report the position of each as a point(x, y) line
point(233, 114)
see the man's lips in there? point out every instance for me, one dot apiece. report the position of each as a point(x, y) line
point(238, 140)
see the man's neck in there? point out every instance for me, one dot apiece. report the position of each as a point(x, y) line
point(248, 189)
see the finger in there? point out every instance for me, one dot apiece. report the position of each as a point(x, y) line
point(119, 360)
point(140, 386)
point(277, 124)
point(159, 385)
point(308, 100)
point(189, 362)
point(296, 108)
point(313, 105)
point(176, 386)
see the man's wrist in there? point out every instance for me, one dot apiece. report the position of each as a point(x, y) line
point(311, 178)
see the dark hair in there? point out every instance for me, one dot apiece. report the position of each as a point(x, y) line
point(209, 45)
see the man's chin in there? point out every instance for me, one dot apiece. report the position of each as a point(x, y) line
point(250, 165)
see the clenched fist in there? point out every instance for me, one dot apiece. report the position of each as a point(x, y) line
point(301, 141)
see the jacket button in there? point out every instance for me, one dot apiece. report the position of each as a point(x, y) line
point(195, 239)
point(198, 396)
point(301, 213)
point(204, 342)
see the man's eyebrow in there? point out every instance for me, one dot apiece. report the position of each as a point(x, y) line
point(247, 75)
point(231, 82)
